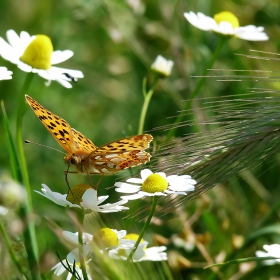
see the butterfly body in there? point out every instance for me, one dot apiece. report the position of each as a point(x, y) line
point(84, 155)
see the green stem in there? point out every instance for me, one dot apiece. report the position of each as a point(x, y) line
point(147, 98)
point(250, 259)
point(81, 217)
point(155, 199)
point(11, 251)
point(27, 212)
point(198, 87)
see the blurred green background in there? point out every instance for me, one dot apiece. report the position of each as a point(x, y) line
point(114, 44)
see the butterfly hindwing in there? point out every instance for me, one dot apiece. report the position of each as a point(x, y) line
point(121, 154)
point(133, 143)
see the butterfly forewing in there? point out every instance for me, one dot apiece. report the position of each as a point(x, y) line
point(70, 139)
point(84, 155)
point(57, 126)
point(82, 143)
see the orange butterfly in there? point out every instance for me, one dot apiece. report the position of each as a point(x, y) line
point(84, 155)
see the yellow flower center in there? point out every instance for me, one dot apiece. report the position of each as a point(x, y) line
point(228, 17)
point(38, 53)
point(75, 195)
point(133, 236)
point(105, 238)
point(155, 183)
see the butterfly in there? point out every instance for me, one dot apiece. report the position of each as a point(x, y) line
point(84, 155)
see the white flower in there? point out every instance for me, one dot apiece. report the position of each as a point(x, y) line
point(123, 251)
point(155, 253)
point(3, 210)
point(73, 237)
point(271, 251)
point(35, 54)
point(142, 253)
point(5, 74)
point(88, 200)
point(69, 263)
point(226, 23)
point(12, 194)
point(155, 184)
point(162, 66)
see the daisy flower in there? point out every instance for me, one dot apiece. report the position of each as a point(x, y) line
point(162, 66)
point(71, 259)
point(35, 54)
point(142, 253)
point(271, 251)
point(5, 74)
point(85, 197)
point(226, 24)
point(155, 184)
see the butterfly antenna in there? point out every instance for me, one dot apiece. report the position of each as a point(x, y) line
point(30, 142)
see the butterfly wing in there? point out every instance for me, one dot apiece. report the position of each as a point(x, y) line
point(68, 138)
point(120, 154)
point(81, 143)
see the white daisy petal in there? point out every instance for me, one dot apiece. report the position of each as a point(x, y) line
point(126, 188)
point(162, 174)
point(13, 38)
point(5, 74)
point(135, 180)
point(145, 173)
point(73, 237)
point(89, 199)
point(24, 67)
point(60, 56)
point(155, 254)
point(181, 188)
point(272, 250)
point(102, 198)
point(133, 196)
point(63, 82)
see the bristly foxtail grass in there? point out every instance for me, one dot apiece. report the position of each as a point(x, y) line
point(241, 134)
point(244, 131)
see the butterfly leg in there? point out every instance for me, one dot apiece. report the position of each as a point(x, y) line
point(66, 177)
point(99, 181)
point(67, 182)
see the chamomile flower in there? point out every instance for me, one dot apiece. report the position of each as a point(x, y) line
point(155, 184)
point(142, 253)
point(5, 74)
point(35, 54)
point(84, 198)
point(72, 263)
point(272, 250)
point(162, 66)
point(226, 24)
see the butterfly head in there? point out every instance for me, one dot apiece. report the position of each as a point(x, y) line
point(73, 160)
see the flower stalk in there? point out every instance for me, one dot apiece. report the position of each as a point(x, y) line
point(154, 204)
point(27, 211)
point(11, 251)
point(81, 216)
point(147, 97)
point(200, 83)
